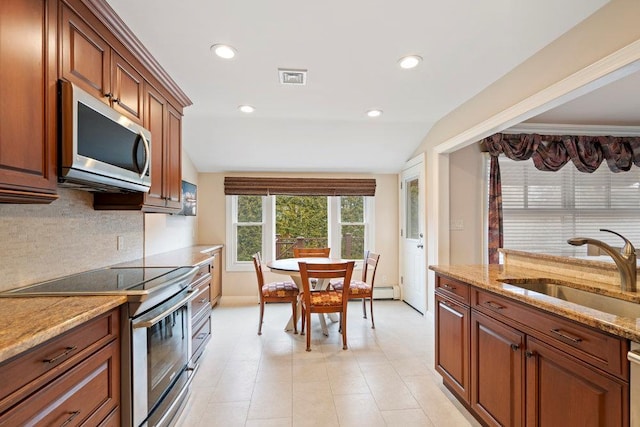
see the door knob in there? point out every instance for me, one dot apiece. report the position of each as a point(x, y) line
point(420, 246)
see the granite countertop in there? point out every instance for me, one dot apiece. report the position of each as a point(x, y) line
point(29, 321)
point(192, 255)
point(491, 278)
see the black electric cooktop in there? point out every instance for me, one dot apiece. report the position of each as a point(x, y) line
point(107, 281)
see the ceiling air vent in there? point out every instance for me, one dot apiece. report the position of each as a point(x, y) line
point(292, 77)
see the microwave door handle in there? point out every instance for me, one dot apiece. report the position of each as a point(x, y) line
point(147, 155)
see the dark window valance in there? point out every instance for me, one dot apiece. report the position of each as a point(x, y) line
point(299, 186)
point(551, 152)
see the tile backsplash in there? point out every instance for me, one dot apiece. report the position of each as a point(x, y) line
point(41, 242)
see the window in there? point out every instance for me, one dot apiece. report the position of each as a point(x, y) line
point(541, 210)
point(273, 225)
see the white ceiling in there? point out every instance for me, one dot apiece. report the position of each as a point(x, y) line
point(350, 49)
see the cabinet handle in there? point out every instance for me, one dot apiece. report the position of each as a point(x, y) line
point(515, 347)
point(108, 95)
point(66, 351)
point(529, 354)
point(117, 100)
point(449, 287)
point(68, 421)
point(565, 335)
point(201, 335)
point(494, 306)
point(202, 301)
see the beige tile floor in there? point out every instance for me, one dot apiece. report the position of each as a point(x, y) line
point(385, 378)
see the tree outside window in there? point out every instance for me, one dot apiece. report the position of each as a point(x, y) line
point(352, 226)
point(249, 227)
point(301, 221)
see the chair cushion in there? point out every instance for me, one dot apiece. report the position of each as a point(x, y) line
point(280, 289)
point(357, 287)
point(326, 298)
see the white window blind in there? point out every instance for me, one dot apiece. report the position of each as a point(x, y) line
point(541, 210)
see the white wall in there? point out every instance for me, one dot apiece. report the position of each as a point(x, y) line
point(466, 205)
point(164, 232)
point(601, 44)
point(212, 228)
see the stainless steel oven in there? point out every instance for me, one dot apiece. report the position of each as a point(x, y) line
point(160, 348)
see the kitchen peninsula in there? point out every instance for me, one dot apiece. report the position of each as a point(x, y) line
point(514, 356)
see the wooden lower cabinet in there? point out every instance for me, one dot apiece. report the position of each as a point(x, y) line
point(497, 372)
point(562, 391)
point(520, 375)
point(452, 345)
point(216, 277)
point(80, 384)
point(201, 309)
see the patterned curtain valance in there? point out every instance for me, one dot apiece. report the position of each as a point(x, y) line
point(551, 152)
point(299, 186)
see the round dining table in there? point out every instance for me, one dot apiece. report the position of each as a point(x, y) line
point(291, 268)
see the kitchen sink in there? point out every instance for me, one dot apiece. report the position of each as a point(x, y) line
point(581, 297)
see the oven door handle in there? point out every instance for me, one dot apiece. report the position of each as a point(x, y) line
point(147, 323)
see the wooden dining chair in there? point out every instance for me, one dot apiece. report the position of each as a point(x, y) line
point(311, 252)
point(275, 292)
point(362, 289)
point(327, 300)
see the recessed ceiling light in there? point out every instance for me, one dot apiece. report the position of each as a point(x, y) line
point(246, 109)
point(408, 62)
point(374, 113)
point(223, 51)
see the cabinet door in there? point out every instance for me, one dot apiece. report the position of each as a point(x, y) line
point(563, 391)
point(497, 371)
point(173, 172)
point(27, 101)
point(156, 122)
point(86, 56)
point(452, 345)
point(127, 88)
point(216, 277)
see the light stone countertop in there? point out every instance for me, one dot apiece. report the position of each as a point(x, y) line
point(491, 278)
point(29, 321)
point(189, 256)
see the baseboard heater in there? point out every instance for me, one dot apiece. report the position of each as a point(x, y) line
point(386, 292)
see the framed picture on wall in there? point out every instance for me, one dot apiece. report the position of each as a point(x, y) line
point(189, 199)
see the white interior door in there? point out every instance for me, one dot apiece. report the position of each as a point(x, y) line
point(414, 286)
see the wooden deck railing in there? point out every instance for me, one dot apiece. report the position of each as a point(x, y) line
point(284, 246)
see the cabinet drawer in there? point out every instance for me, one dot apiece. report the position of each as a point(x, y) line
point(590, 345)
point(204, 270)
point(85, 395)
point(201, 335)
point(202, 300)
point(453, 289)
point(38, 366)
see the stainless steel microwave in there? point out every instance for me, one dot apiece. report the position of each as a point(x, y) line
point(100, 149)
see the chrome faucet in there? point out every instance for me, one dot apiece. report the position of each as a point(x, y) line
point(625, 259)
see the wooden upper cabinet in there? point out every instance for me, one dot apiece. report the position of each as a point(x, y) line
point(173, 174)
point(156, 122)
point(165, 195)
point(91, 63)
point(127, 89)
point(27, 101)
point(85, 56)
